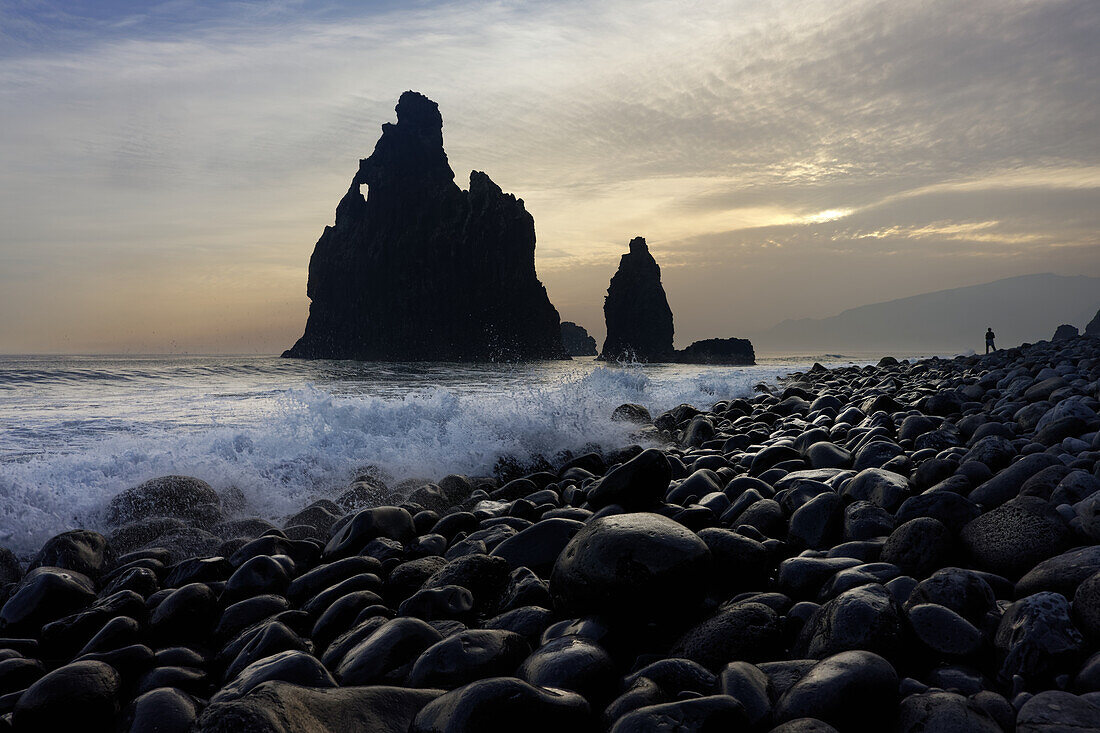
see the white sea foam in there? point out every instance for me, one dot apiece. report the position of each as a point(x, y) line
point(284, 437)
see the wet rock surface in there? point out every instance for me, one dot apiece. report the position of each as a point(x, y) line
point(897, 547)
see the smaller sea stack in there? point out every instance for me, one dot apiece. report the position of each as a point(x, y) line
point(639, 320)
point(576, 340)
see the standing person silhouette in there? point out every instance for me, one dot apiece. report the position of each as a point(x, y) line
point(989, 336)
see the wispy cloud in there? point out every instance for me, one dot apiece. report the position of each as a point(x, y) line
point(757, 145)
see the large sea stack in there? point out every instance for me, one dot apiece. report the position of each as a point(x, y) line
point(639, 321)
point(416, 269)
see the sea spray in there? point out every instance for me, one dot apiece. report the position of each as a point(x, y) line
point(286, 436)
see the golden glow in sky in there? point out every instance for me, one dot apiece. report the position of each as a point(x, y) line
point(168, 167)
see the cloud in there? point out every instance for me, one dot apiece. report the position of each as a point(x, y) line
point(754, 144)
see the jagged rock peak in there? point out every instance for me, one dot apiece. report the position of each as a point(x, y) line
point(639, 320)
point(416, 111)
point(416, 269)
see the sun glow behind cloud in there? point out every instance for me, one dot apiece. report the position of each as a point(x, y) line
point(827, 215)
point(167, 169)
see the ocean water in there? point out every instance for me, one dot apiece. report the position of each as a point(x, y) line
point(76, 430)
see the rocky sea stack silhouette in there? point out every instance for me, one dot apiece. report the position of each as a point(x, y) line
point(416, 269)
point(576, 340)
point(639, 319)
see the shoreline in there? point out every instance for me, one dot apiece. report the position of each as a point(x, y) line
point(868, 546)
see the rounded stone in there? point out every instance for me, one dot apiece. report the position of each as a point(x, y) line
point(866, 618)
point(1086, 606)
point(187, 614)
point(631, 567)
point(942, 712)
point(293, 666)
point(387, 655)
point(1014, 537)
point(503, 705)
point(80, 550)
point(640, 483)
point(1061, 573)
point(963, 591)
point(388, 522)
point(44, 595)
point(572, 663)
point(744, 631)
point(468, 656)
point(854, 690)
point(880, 487)
point(1037, 640)
point(79, 696)
point(943, 630)
point(260, 575)
point(164, 710)
point(715, 712)
point(918, 546)
point(167, 496)
point(1054, 711)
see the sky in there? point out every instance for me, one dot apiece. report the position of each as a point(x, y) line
point(167, 167)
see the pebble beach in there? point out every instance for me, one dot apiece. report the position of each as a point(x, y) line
point(909, 546)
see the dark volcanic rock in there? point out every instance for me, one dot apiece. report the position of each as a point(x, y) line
point(79, 696)
point(10, 568)
point(287, 666)
point(387, 655)
point(389, 522)
point(715, 712)
point(867, 618)
point(576, 340)
point(165, 710)
point(280, 707)
point(417, 269)
point(1015, 536)
point(1036, 639)
point(44, 595)
point(1064, 333)
point(634, 567)
point(571, 663)
point(183, 497)
point(943, 711)
point(79, 549)
point(731, 351)
point(503, 705)
point(1054, 711)
point(639, 321)
point(637, 484)
point(745, 631)
point(468, 656)
point(853, 690)
point(962, 591)
point(780, 559)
